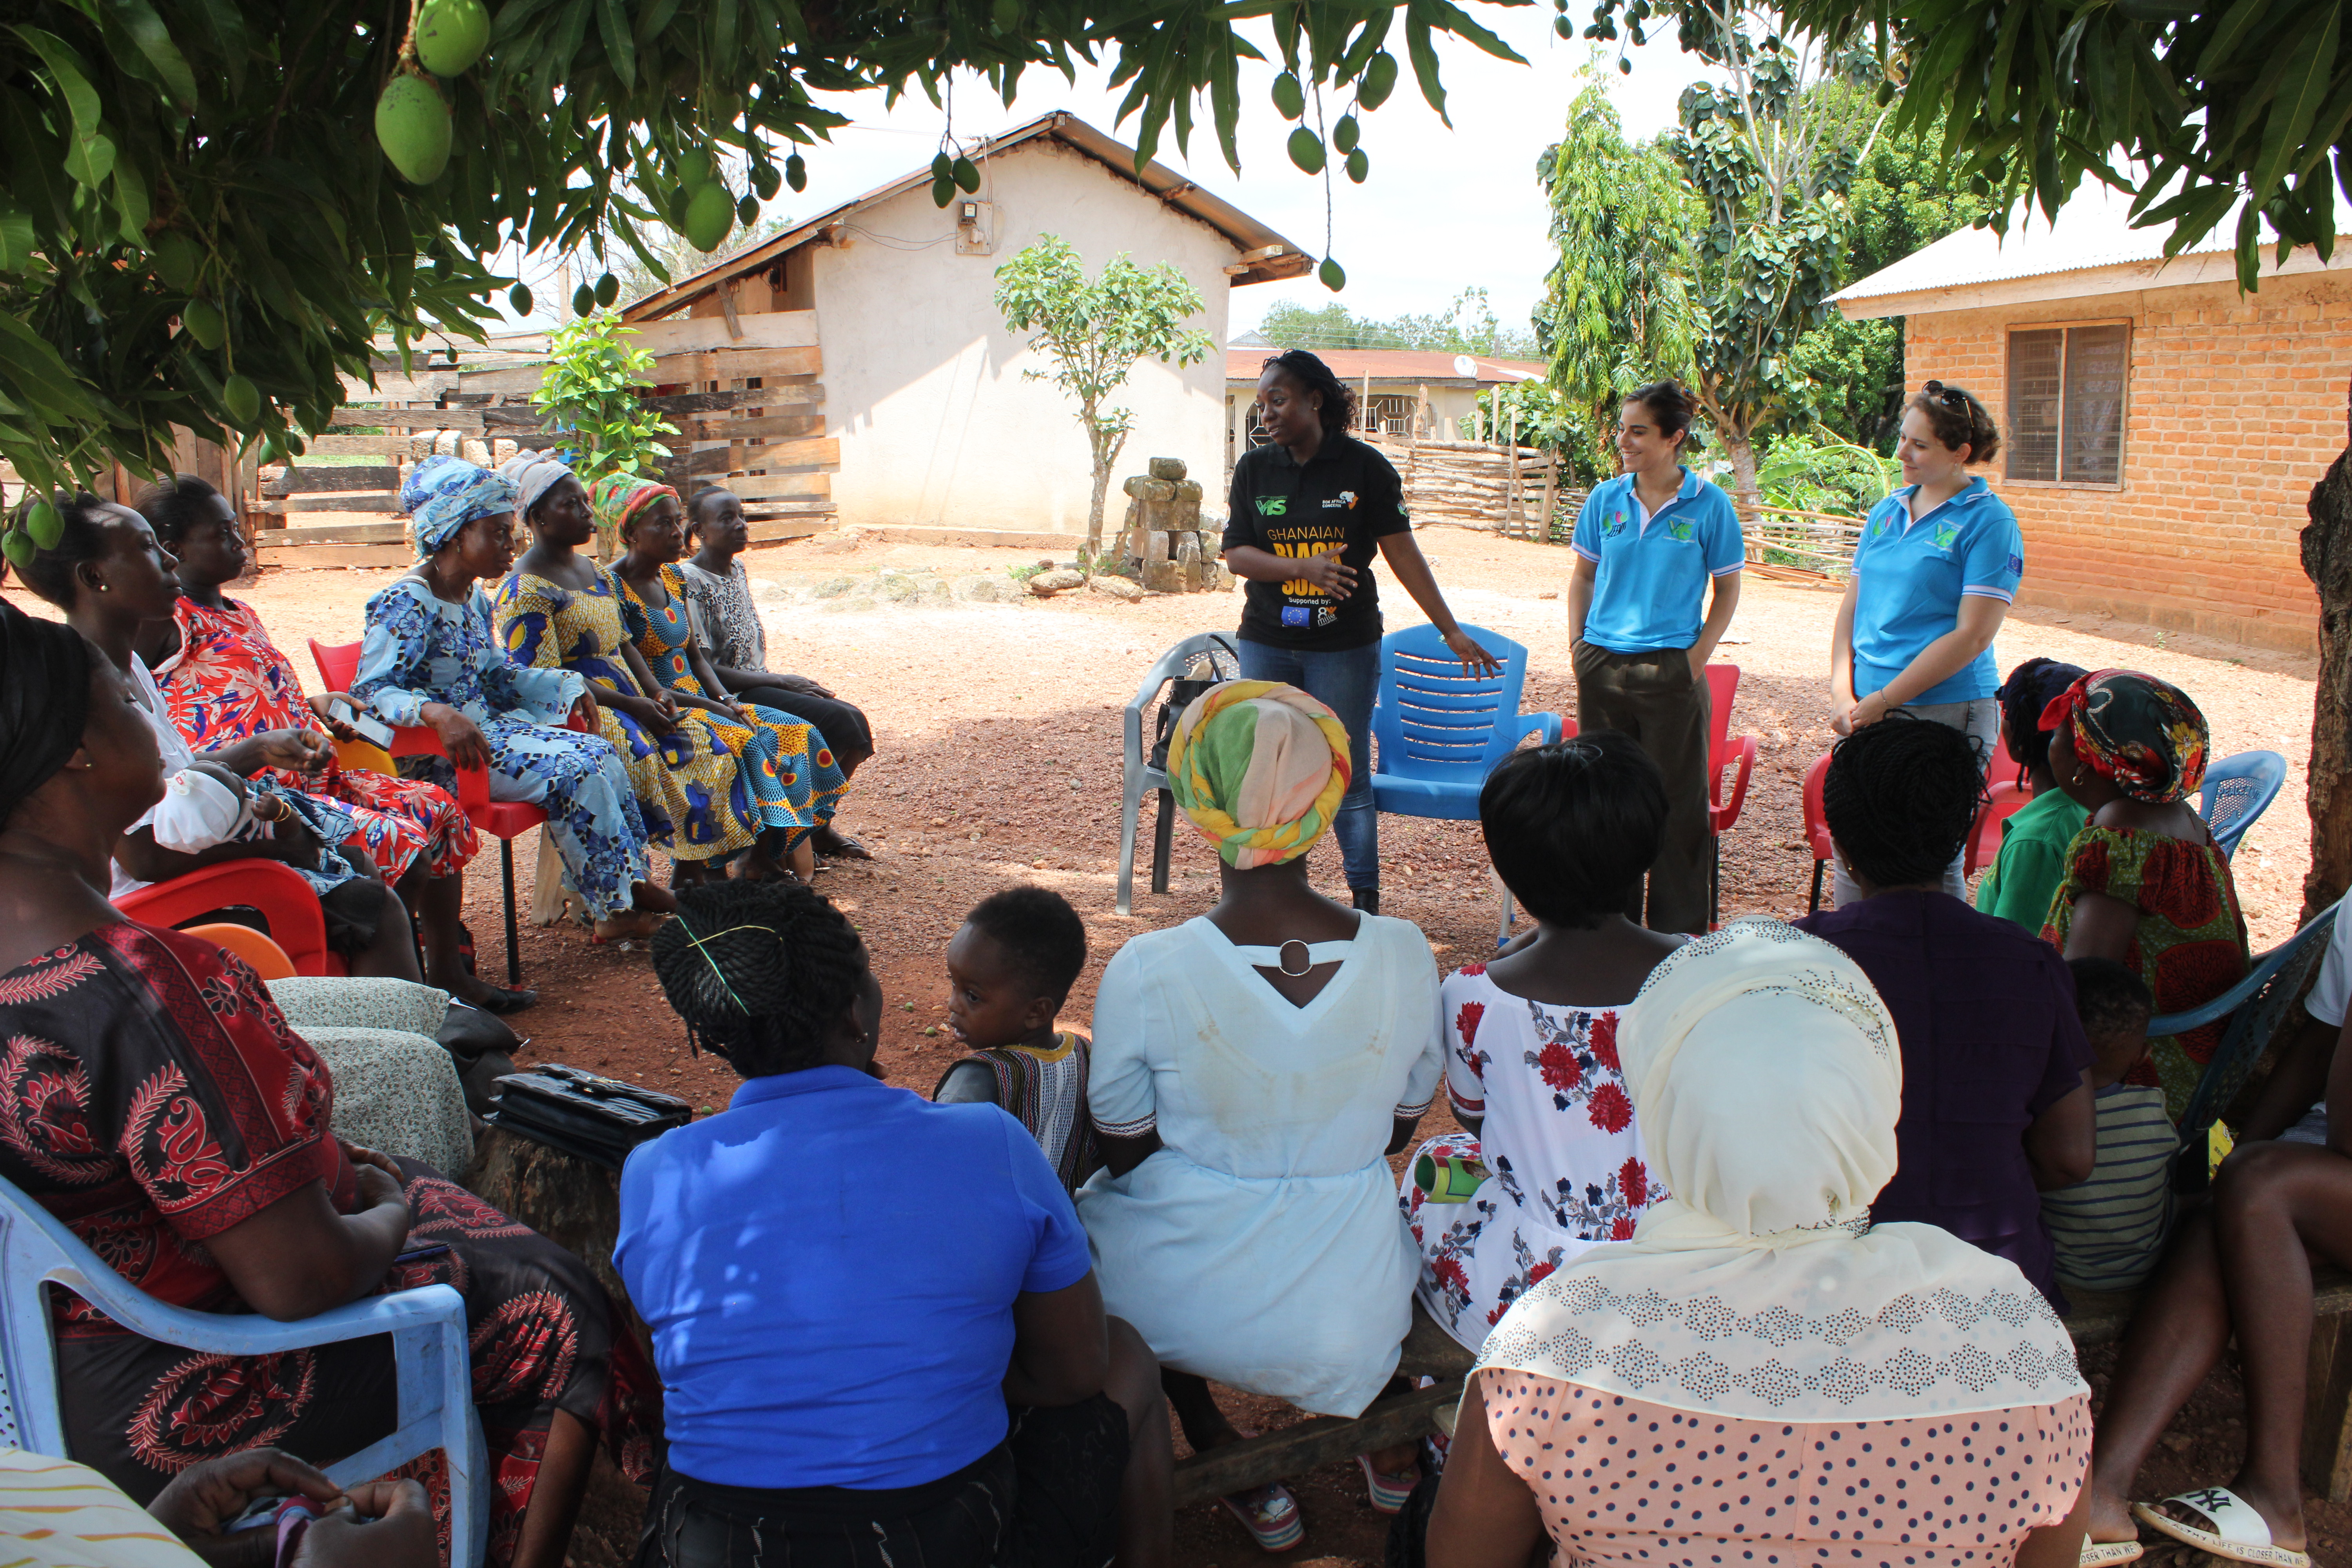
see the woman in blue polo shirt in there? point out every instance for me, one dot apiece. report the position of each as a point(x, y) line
point(1933, 577)
point(1649, 544)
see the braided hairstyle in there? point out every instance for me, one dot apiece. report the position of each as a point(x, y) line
point(1901, 796)
point(761, 972)
point(2022, 697)
point(1338, 409)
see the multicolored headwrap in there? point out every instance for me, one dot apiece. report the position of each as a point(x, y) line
point(616, 496)
point(2143, 734)
point(1259, 768)
point(533, 474)
point(442, 494)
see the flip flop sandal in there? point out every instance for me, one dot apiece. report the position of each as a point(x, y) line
point(1270, 1514)
point(2109, 1551)
point(1389, 1493)
point(848, 849)
point(2239, 1533)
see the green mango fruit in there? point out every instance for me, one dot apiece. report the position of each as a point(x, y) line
point(699, 168)
point(584, 301)
point(608, 289)
point(411, 126)
point(1380, 80)
point(796, 173)
point(204, 323)
point(1345, 134)
point(967, 176)
point(1358, 166)
point(1006, 15)
point(1288, 96)
point(747, 210)
point(294, 443)
point(1334, 275)
point(943, 191)
point(42, 522)
point(242, 401)
point(178, 258)
point(709, 216)
point(942, 170)
point(519, 298)
point(1307, 150)
point(451, 35)
point(18, 548)
point(766, 181)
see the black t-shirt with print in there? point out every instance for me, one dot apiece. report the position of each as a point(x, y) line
point(1347, 496)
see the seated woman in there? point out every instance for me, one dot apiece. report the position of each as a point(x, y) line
point(2146, 884)
point(1532, 1056)
point(1253, 1068)
point(430, 658)
point(108, 574)
point(1997, 1103)
point(879, 1332)
point(2241, 1267)
point(2034, 838)
point(786, 763)
point(1763, 1374)
point(560, 610)
point(726, 625)
point(162, 1110)
point(224, 680)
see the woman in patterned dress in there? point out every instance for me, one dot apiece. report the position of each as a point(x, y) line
point(222, 679)
point(558, 609)
point(1531, 1061)
point(430, 656)
point(791, 770)
point(152, 1098)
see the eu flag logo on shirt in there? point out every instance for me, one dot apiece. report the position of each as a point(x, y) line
point(2017, 566)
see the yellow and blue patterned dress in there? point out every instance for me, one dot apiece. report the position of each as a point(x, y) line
point(786, 763)
point(695, 799)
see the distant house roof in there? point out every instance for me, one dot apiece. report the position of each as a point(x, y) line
point(2091, 248)
point(1432, 367)
point(1264, 255)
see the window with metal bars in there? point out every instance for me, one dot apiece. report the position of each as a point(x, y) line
point(2067, 404)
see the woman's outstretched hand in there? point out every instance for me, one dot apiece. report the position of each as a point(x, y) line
point(1475, 660)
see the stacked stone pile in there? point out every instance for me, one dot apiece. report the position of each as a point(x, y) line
point(1162, 534)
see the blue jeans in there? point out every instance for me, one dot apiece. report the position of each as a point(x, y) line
point(1349, 683)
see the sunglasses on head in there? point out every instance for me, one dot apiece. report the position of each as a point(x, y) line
point(1950, 396)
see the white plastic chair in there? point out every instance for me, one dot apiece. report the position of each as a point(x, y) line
point(428, 1338)
point(1224, 661)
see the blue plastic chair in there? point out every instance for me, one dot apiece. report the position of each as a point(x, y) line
point(2257, 1006)
point(428, 1337)
point(2237, 791)
point(1439, 731)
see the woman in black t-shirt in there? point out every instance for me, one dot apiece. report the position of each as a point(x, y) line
point(1307, 512)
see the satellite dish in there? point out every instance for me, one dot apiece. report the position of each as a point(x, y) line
point(1465, 366)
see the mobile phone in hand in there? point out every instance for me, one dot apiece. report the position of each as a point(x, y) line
point(371, 728)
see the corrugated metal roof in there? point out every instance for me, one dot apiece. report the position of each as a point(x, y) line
point(1246, 363)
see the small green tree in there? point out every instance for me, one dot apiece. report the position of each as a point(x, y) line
point(592, 392)
point(1092, 331)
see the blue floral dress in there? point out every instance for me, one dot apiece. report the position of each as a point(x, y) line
point(785, 763)
point(696, 801)
point(419, 649)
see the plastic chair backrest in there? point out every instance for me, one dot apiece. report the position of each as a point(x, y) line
point(2237, 791)
point(2005, 801)
point(297, 924)
point(2257, 1006)
point(1214, 648)
point(1722, 692)
point(1434, 719)
point(266, 958)
point(339, 663)
point(2001, 768)
point(1817, 823)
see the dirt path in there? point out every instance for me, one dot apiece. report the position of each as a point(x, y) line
point(997, 729)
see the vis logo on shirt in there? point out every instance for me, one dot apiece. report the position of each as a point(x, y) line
point(1273, 506)
point(1945, 534)
point(1681, 528)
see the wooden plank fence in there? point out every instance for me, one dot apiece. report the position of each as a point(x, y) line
point(1810, 544)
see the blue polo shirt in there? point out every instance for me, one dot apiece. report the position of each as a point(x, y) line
point(1911, 575)
point(828, 1268)
point(1650, 573)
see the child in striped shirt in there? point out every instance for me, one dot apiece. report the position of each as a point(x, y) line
point(2110, 1230)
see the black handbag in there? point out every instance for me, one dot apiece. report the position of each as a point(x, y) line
point(584, 1114)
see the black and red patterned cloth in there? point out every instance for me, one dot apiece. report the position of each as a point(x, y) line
point(151, 1096)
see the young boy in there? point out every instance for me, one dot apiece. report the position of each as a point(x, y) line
point(1010, 969)
point(2110, 1230)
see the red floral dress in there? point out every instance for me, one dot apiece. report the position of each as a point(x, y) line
point(230, 681)
point(151, 1096)
point(1565, 1166)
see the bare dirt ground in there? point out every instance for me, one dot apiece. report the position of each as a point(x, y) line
point(998, 736)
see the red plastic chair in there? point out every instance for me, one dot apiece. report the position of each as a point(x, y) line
point(2007, 797)
point(297, 924)
point(1723, 751)
point(1817, 825)
point(266, 959)
point(504, 820)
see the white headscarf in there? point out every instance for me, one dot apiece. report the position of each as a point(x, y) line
point(532, 474)
point(1767, 1081)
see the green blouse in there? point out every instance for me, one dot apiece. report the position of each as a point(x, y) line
point(2032, 859)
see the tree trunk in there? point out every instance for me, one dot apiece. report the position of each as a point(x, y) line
point(2327, 561)
point(1095, 513)
point(1745, 494)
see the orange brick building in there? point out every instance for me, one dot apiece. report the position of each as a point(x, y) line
point(2160, 431)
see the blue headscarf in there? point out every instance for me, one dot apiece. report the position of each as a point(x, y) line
point(442, 494)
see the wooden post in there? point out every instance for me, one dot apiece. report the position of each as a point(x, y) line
point(1516, 508)
point(1364, 406)
point(1551, 476)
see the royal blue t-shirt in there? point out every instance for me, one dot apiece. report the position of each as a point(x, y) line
point(1911, 576)
point(1650, 574)
point(828, 1268)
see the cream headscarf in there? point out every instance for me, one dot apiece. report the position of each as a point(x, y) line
point(532, 474)
point(1767, 1082)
